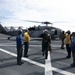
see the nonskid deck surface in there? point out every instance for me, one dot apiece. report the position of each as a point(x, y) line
point(35, 64)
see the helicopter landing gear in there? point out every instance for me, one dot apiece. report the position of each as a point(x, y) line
point(8, 38)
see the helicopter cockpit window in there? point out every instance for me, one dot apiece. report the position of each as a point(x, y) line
point(55, 32)
point(31, 28)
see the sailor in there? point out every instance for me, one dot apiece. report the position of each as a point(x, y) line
point(62, 37)
point(19, 45)
point(67, 42)
point(26, 43)
point(46, 42)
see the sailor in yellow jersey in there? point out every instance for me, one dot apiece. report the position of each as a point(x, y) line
point(67, 42)
point(26, 43)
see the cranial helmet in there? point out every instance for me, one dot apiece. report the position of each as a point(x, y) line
point(20, 31)
point(46, 31)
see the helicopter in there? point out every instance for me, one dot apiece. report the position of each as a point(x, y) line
point(35, 31)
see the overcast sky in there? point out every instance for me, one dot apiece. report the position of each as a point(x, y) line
point(60, 12)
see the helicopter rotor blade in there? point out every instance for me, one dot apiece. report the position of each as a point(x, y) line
point(31, 21)
point(61, 22)
point(45, 22)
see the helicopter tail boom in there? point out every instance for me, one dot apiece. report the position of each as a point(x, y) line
point(2, 29)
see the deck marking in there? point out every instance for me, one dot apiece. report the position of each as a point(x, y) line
point(29, 45)
point(62, 71)
point(25, 59)
point(48, 68)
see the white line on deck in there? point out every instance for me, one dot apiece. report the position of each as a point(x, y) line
point(48, 67)
point(62, 71)
point(29, 45)
point(25, 59)
point(7, 43)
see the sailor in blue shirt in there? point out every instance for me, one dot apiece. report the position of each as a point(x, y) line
point(19, 45)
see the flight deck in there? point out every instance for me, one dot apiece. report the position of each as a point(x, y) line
point(35, 64)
